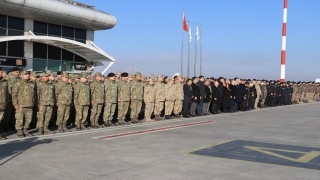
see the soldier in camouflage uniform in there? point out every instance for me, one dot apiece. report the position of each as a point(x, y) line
point(9, 118)
point(179, 93)
point(97, 99)
point(149, 98)
point(23, 97)
point(111, 94)
point(46, 101)
point(81, 101)
point(63, 94)
point(118, 75)
point(123, 98)
point(294, 93)
point(170, 98)
point(136, 92)
point(159, 98)
point(4, 98)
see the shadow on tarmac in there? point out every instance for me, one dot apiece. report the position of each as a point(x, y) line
point(12, 149)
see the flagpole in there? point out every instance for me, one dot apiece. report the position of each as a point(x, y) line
point(201, 50)
point(195, 57)
point(189, 52)
point(182, 44)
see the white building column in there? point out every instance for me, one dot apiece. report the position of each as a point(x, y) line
point(28, 46)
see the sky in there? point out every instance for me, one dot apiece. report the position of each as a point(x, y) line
point(240, 38)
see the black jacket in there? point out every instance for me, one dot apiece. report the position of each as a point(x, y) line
point(208, 94)
point(187, 94)
point(202, 89)
point(196, 92)
point(215, 94)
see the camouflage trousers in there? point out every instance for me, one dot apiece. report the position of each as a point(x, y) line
point(149, 110)
point(177, 107)
point(44, 115)
point(256, 102)
point(109, 110)
point(81, 114)
point(158, 107)
point(135, 108)
point(123, 107)
point(23, 117)
point(168, 108)
point(63, 114)
point(2, 111)
point(95, 112)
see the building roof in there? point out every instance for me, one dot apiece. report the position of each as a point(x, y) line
point(64, 12)
point(90, 52)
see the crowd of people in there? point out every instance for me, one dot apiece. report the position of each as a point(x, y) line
point(121, 98)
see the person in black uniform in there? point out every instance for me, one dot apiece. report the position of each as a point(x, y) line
point(215, 98)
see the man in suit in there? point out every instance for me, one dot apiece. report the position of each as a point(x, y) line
point(196, 98)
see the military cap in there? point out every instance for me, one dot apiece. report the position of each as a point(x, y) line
point(65, 74)
point(84, 75)
point(98, 74)
point(160, 75)
point(180, 76)
point(15, 69)
point(138, 74)
point(76, 76)
point(90, 77)
point(111, 75)
point(34, 74)
point(24, 72)
point(49, 71)
point(124, 74)
point(43, 74)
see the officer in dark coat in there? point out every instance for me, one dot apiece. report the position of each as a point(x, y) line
point(188, 95)
point(215, 97)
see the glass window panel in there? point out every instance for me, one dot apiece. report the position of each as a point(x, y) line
point(54, 53)
point(15, 23)
point(81, 40)
point(39, 50)
point(80, 34)
point(3, 32)
point(66, 66)
point(16, 48)
point(78, 59)
point(68, 32)
point(67, 55)
point(39, 65)
point(54, 30)
point(15, 33)
point(54, 65)
point(3, 21)
point(40, 27)
point(3, 48)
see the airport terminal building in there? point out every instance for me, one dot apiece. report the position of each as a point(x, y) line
point(58, 35)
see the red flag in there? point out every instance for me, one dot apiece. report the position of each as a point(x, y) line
point(185, 26)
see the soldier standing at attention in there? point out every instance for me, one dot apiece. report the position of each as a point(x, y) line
point(123, 98)
point(111, 93)
point(97, 99)
point(4, 98)
point(81, 101)
point(46, 101)
point(63, 93)
point(23, 100)
point(149, 98)
point(118, 75)
point(170, 98)
point(136, 89)
point(159, 98)
point(177, 108)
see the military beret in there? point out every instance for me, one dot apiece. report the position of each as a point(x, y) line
point(111, 75)
point(138, 74)
point(98, 74)
point(253, 79)
point(24, 72)
point(124, 74)
point(59, 73)
point(15, 69)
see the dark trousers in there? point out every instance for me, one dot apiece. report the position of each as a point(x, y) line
point(214, 107)
point(199, 107)
point(232, 106)
point(186, 109)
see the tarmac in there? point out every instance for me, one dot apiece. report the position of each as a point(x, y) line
point(265, 144)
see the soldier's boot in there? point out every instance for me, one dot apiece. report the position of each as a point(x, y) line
point(177, 116)
point(26, 133)
point(149, 120)
point(40, 130)
point(92, 124)
point(157, 117)
point(47, 131)
point(167, 117)
point(78, 128)
point(97, 124)
point(60, 130)
point(135, 121)
point(83, 127)
point(2, 138)
point(20, 133)
point(64, 128)
point(106, 123)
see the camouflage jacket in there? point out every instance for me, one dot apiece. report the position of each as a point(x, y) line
point(11, 81)
point(136, 88)
point(97, 92)
point(258, 90)
point(111, 91)
point(4, 93)
point(123, 91)
point(81, 94)
point(149, 94)
point(295, 89)
point(45, 92)
point(64, 93)
point(170, 92)
point(23, 94)
point(160, 92)
point(179, 91)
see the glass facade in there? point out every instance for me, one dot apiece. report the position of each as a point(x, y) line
point(11, 26)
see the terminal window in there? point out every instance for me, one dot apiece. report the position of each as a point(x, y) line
point(16, 48)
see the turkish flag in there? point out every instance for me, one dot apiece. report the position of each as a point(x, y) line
point(185, 26)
